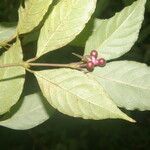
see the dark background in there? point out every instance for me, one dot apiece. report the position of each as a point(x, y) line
point(66, 133)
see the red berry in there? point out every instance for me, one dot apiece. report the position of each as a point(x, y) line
point(90, 66)
point(94, 60)
point(101, 62)
point(94, 53)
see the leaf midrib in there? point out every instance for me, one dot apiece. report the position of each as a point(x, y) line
point(119, 82)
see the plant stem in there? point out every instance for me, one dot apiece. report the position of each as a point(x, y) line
point(77, 55)
point(48, 65)
point(71, 65)
point(27, 65)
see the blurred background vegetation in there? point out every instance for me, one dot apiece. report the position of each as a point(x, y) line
point(65, 133)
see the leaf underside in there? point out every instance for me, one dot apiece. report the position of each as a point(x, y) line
point(66, 21)
point(115, 36)
point(127, 82)
point(29, 112)
point(11, 79)
point(31, 14)
point(75, 94)
point(7, 31)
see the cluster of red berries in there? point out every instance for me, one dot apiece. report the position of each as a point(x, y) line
point(92, 60)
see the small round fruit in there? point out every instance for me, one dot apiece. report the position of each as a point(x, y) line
point(90, 66)
point(94, 60)
point(101, 62)
point(94, 53)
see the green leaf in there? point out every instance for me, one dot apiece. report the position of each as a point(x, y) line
point(29, 112)
point(31, 14)
point(127, 83)
point(116, 36)
point(7, 32)
point(11, 78)
point(76, 94)
point(66, 21)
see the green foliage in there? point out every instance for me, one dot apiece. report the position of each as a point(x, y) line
point(31, 13)
point(131, 81)
point(76, 94)
point(66, 21)
point(11, 79)
point(29, 112)
point(115, 36)
point(7, 32)
point(95, 95)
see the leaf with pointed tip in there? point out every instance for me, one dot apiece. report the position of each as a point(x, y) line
point(66, 21)
point(31, 14)
point(11, 78)
point(29, 112)
point(7, 32)
point(75, 94)
point(116, 36)
point(127, 82)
